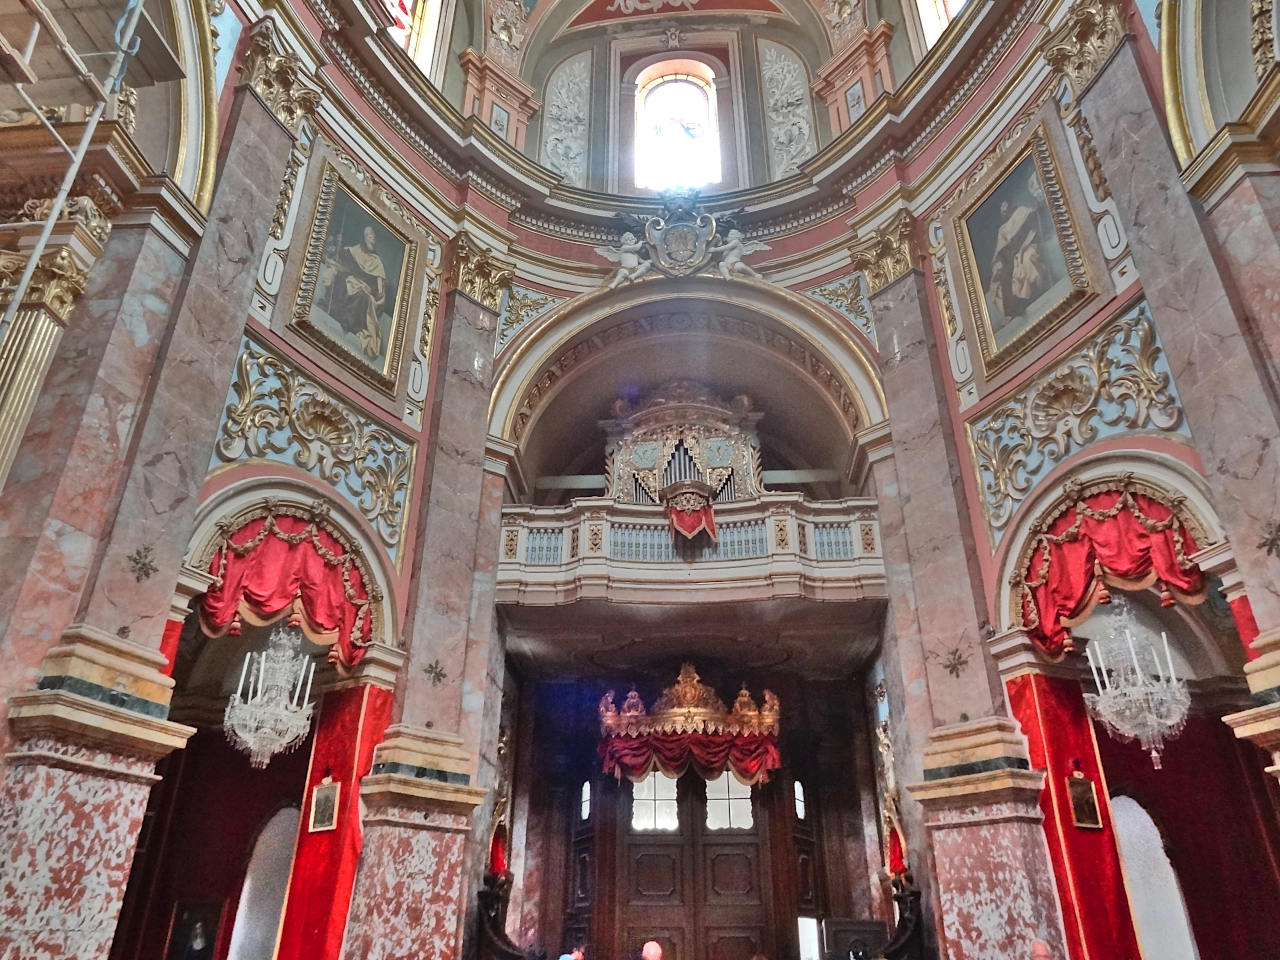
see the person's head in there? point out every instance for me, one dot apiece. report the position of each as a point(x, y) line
point(652, 950)
point(1040, 950)
point(1004, 212)
point(370, 238)
point(577, 951)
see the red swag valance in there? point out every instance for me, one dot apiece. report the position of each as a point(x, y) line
point(751, 757)
point(1118, 537)
point(689, 523)
point(278, 565)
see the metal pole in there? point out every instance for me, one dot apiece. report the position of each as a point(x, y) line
point(126, 46)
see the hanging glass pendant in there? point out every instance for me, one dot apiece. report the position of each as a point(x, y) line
point(270, 712)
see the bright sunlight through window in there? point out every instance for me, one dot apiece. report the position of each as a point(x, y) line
point(677, 137)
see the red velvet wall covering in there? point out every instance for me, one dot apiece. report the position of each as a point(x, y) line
point(352, 722)
point(1219, 814)
point(1086, 862)
point(1131, 539)
point(751, 757)
point(278, 564)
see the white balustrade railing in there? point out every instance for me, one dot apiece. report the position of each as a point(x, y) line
point(548, 553)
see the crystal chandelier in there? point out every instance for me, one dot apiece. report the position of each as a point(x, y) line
point(270, 712)
point(1139, 696)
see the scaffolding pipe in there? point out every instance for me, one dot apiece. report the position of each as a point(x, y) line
point(126, 46)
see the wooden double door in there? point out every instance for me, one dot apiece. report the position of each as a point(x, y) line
point(703, 893)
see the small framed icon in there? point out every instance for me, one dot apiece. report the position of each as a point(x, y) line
point(1083, 794)
point(324, 806)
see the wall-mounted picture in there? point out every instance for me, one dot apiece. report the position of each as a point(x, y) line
point(1083, 794)
point(324, 806)
point(499, 120)
point(355, 290)
point(193, 930)
point(856, 100)
point(1022, 265)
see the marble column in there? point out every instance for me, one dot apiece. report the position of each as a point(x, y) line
point(1047, 700)
point(121, 438)
point(1231, 407)
point(450, 620)
point(974, 825)
point(82, 762)
point(411, 888)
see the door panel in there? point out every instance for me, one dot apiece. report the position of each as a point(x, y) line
point(703, 894)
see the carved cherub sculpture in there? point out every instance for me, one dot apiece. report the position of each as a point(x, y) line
point(731, 252)
point(628, 256)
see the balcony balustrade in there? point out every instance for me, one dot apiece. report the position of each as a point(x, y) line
point(780, 545)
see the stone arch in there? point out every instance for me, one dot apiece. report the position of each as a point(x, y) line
point(539, 361)
point(1157, 474)
point(235, 503)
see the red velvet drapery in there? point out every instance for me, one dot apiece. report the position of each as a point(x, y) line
point(276, 565)
point(751, 757)
point(689, 523)
point(1118, 537)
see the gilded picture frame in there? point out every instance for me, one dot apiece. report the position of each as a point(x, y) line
point(1083, 796)
point(325, 797)
point(1021, 260)
point(357, 283)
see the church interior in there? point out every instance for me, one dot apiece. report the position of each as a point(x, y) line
point(639, 479)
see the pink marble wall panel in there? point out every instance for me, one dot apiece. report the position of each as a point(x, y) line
point(65, 481)
point(407, 903)
point(160, 495)
point(931, 568)
point(68, 830)
point(450, 559)
point(996, 891)
point(1231, 411)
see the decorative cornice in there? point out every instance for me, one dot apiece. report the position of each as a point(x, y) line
point(1078, 48)
point(478, 273)
point(885, 254)
point(278, 76)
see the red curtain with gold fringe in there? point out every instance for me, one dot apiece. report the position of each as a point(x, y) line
point(1117, 537)
point(751, 757)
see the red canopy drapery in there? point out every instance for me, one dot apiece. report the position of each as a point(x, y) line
point(690, 726)
point(277, 564)
point(751, 757)
point(689, 523)
point(1117, 536)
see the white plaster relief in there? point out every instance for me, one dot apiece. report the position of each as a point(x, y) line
point(788, 120)
point(957, 345)
point(565, 117)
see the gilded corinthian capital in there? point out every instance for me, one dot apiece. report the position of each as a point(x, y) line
point(278, 76)
point(1091, 31)
point(478, 273)
point(885, 254)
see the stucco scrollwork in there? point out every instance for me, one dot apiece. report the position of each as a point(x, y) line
point(788, 119)
point(565, 114)
point(1262, 36)
point(885, 254)
point(277, 413)
point(1079, 46)
point(520, 306)
point(478, 273)
point(848, 294)
point(278, 76)
point(506, 32)
point(1116, 382)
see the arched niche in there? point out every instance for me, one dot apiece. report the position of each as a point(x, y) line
point(813, 376)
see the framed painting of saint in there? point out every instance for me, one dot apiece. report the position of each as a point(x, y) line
point(353, 299)
point(1022, 265)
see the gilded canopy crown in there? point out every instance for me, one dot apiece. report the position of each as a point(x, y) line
point(688, 706)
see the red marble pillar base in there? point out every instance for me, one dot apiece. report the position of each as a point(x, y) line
point(995, 886)
point(74, 790)
point(410, 892)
